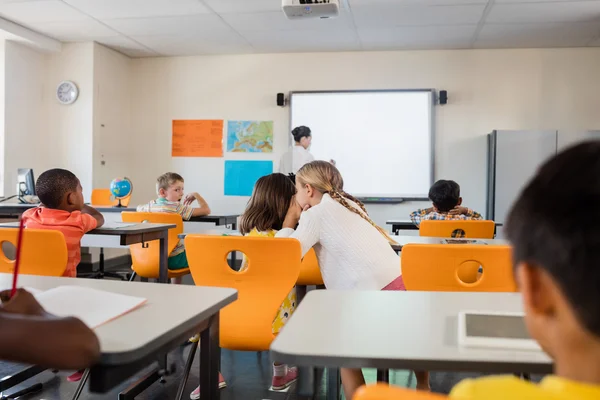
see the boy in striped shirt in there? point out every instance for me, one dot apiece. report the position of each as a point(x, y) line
point(171, 199)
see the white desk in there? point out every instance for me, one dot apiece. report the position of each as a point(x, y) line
point(404, 240)
point(406, 224)
point(396, 330)
point(137, 339)
point(132, 234)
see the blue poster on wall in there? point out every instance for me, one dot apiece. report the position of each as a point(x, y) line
point(240, 176)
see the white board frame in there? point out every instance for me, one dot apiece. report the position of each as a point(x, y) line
point(432, 132)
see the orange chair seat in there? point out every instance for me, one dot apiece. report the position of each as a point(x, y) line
point(381, 391)
point(454, 267)
point(146, 261)
point(272, 271)
point(474, 229)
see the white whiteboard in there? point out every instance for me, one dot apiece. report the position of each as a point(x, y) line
point(382, 141)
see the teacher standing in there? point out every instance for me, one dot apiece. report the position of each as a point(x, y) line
point(299, 155)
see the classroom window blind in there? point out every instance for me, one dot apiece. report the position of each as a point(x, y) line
point(381, 141)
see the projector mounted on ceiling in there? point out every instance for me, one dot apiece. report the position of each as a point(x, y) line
point(304, 9)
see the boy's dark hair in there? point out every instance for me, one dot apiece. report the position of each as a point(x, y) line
point(166, 180)
point(555, 225)
point(269, 204)
point(444, 195)
point(52, 185)
point(300, 132)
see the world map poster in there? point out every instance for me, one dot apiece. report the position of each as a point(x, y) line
point(250, 136)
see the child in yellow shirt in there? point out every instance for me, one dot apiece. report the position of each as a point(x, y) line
point(557, 266)
point(264, 216)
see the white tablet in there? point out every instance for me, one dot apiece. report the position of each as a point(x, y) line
point(500, 330)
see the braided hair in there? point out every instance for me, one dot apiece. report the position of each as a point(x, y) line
point(326, 178)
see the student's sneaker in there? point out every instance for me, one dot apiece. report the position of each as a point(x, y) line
point(76, 377)
point(284, 381)
point(196, 393)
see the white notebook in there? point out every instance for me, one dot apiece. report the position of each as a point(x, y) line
point(93, 307)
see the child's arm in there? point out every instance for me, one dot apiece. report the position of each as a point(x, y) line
point(416, 216)
point(307, 231)
point(203, 210)
point(465, 211)
point(91, 211)
point(67, 343)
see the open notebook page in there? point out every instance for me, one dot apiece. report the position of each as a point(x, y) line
point(93, 307)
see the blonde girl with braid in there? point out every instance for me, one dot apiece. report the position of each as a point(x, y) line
point(353, 252)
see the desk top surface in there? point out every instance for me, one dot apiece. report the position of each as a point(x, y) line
point(170, 310)
point(396, 329)
point(115, 229)
point(18, 208)
point(404, 240)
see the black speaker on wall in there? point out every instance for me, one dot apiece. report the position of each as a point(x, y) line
point(280, 99)
point(443, 97)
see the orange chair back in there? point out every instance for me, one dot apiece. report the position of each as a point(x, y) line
point(454, 268)
point(446, 229)
point(103, 197)
point(310, 273)
point(44, 252)
point(381, 391)
point(146, 262)
point(272, 272)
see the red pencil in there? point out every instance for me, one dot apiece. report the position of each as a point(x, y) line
point(18, 259)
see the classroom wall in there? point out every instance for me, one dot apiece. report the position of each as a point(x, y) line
point(2, 130)
point(70, 128)
point(112, 116)
point(487, 89)
point(26, 140)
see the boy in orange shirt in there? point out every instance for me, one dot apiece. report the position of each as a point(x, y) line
point(62, 209)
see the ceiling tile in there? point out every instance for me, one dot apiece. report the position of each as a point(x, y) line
point(203, 43)
point(417, 37)
point(75, 31)
point(243, 6)
point(277, 21)
point(303, 41)
point(387, 16)
point(537, 35)
point(372, 3)
point(105, 9)
point(168, 26)
point(28, 13)
point(127, 46)
point(579, 11)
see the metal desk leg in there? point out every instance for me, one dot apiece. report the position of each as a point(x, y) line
point(306, 382)
point(163, 275)
point(300, 293)
point(333, 384)
point(383, 375)
point(210, 357)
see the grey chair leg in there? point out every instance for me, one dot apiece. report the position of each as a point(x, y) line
point(82, 382)
point(186, 371)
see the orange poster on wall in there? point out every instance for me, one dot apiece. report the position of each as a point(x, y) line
point(197, 138)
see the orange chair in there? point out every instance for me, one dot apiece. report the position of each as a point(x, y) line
point(104, 197)
point(44, 252)
point(455, 268)
point(146, 261)
point(273, 269)
point(471, 229)
point(382, 391)
point(310, 273)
